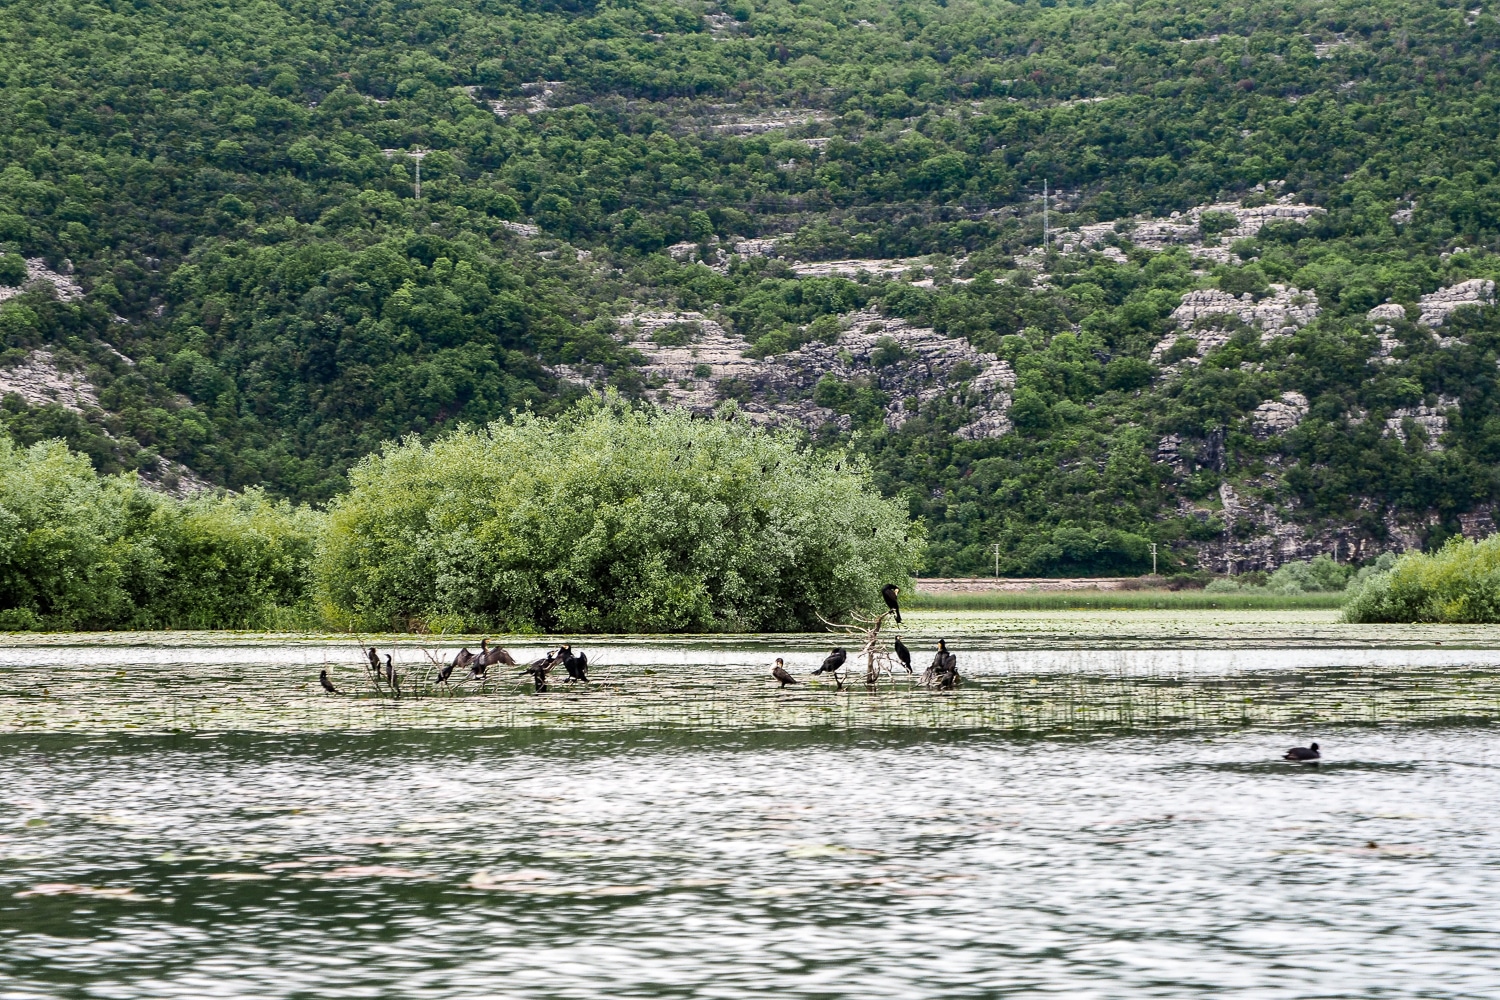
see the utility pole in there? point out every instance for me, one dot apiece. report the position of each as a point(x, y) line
point(1046, 222)
point(1153, 558)
point(415, 154)
point(997, 560)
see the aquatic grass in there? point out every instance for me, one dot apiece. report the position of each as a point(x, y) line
point(1122, 600)
point(1091, 692)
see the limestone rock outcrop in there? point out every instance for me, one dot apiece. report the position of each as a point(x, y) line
point(1277, 416)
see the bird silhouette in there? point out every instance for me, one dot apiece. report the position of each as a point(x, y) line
point(1306, 753)
point(780, 673)
point(538, 670)
point(832, 661)
point(445, 673)
point(890, 592)
point(374, 659)
point(487, 657)
point(327, 684)
point(461, 659)
point(944, 670)
point(390, 674)
point(903, 654)
point(576, 666)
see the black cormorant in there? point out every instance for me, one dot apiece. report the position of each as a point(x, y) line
point(832, 661)
point(903, 654)
point(576, 666)
point(327, 684)
point(779, 672)
point(890, 592)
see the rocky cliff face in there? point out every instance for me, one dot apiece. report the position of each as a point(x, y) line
point(692, 361)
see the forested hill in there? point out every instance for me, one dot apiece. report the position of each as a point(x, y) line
point(217, 263)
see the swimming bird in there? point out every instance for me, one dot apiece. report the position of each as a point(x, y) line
point(890, 592)
point(576, 666)
point(780, 673)
point(1306, 753)
point(903, 654)
point(832, 662)
point(327, 684)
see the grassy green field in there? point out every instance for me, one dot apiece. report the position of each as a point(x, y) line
point(1122, 600)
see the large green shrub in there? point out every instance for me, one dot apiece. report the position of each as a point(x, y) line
point(1460, 583)
point(83, 551)
point(71, 542)
point(611, 519)
point(234, 561)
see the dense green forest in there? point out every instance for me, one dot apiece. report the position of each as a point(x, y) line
point(265, 299)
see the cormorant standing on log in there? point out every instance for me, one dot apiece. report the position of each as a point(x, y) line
point(890, 592)
point(944, 669)
point(327, 684)
point(903, 654)
point(1302, 754)
point(780, 673)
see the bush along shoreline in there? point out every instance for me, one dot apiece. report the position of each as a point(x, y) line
point(608, 518)
point(1458, 584)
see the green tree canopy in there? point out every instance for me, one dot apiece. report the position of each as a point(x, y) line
point(611, 519)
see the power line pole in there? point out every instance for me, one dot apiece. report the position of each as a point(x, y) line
point(1153, 558)
point(997, 560)
point(1046, 221)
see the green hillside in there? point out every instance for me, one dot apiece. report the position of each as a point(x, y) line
point(244, 280)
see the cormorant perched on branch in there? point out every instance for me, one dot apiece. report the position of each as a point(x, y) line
point(780, 673)
point(390, 674)
point(1302, 753)
point(461, 659)
point(490, 657)
point(903, 654)
point(832, 661)
point(327, 684)
point(538, 670)
point(576, 666)
point(374, 659)
point(445, 673)
point(890, 592)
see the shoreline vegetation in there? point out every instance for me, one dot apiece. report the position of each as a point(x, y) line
point(1122, 600)
point(611, 519)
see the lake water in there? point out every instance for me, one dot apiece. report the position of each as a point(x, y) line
point(780, 854)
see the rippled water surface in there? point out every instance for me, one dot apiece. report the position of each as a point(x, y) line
point(787, 854)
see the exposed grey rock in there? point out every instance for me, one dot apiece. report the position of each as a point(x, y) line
point(1432, 419)
point(1277, 416)
point(38, 273)
point(39, 382)
point(1439, 305)
point(781, 387)
point(1284, 311)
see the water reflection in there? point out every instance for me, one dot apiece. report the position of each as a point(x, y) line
point(661, 863)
